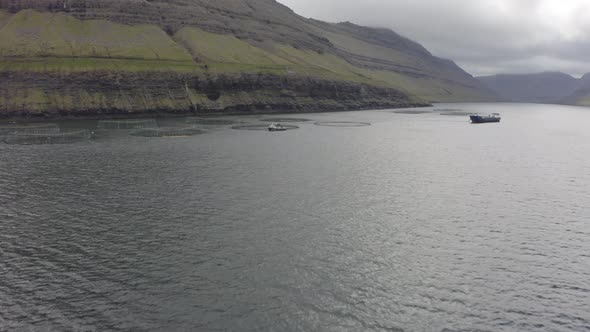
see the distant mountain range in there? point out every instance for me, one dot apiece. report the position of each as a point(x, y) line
point(547, 87)
point(137, 56)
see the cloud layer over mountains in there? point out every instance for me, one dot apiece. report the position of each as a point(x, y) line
point(485, 37)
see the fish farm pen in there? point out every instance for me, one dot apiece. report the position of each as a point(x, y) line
point(128, 124)
point(343, 124)
point(454, 112)
point(167, 132)
point(48, 138)
point(260, 127)
point(211, 122)
point(413, 111)
point(34, 128)
point(279, 120)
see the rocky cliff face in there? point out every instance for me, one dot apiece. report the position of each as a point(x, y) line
point(105, 56)
point(46, 94)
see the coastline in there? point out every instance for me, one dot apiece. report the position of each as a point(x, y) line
point(101, 95)
point(5, 118)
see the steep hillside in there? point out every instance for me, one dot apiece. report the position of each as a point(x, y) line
point(106, 56)
point(549, 87)
point(402, 63)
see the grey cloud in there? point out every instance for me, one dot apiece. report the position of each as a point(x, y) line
point(483, 36)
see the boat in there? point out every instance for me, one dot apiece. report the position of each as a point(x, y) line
point(494, 117)
point(276, 127)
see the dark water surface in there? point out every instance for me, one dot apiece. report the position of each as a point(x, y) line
point(419, 222)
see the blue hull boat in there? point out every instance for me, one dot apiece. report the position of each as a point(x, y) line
point(495, 117)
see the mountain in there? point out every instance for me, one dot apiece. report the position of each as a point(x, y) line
point(581, 96)
point(548, 87)
point(135, 56)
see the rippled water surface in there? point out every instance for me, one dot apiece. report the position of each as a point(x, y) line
point(419, 222)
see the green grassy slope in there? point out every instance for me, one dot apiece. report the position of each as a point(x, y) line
point(211, 47)
point(4, 16)
point(90, 64)
point(33, 34)
point(232, 54)
point(419, 74)
point(226, 54)
point(358, 47)
point(37, 41)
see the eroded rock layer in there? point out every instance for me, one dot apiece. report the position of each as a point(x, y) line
point(46, 94)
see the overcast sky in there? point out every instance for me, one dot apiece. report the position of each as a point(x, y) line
point(483, 36)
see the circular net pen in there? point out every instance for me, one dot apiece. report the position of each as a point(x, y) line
point(440, 110)
point(41, 128)
point(281, 120)
point(167, 132)
point(342, 124)
point(452, 112)
point(261, 127)
point(413, 112)
point(211, 122)
point(129, 124)
point(67, 137)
